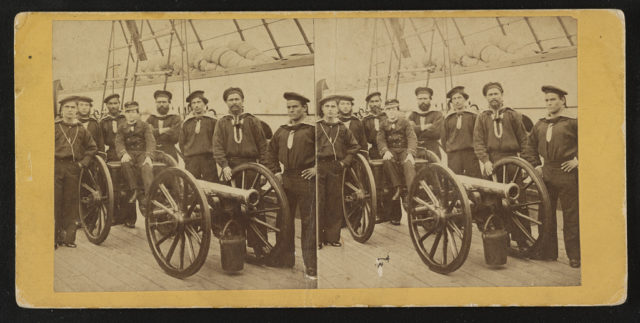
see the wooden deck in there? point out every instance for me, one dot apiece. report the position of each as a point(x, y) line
point(124, 262)
point(354, 265)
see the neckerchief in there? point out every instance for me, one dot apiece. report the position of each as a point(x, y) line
point(332, 142)
point(71, 142)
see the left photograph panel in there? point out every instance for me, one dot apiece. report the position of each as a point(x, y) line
point(184, 155)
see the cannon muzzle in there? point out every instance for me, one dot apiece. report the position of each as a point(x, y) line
point(248, 196)
point(508, 190)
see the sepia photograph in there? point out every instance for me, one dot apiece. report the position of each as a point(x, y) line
point(320, 159)
point(450, 146)
point(176, 164)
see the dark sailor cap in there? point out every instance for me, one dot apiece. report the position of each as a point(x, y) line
point(491, 85)
point(111, 96)
point(67, 99)
point(457, 89)
point(423, 89)
point(197, 94)
point(370, 95)
point(295, 96)
point(553, 89)
point(164, 93)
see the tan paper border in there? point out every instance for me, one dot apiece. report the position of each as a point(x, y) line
point(601, 80)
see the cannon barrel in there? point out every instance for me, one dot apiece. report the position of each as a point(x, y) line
point(508, 190)
point(248, 196)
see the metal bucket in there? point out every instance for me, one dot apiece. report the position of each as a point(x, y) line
point(232, 248)
point(495, 243)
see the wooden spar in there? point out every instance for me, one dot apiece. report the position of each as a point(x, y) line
point(135, 73)
point(106, 72)
point(535, 37)
point(235, 22)
point(195, 33)
point(273, 40)
point(154, 37)
point(304, 35)
point(566, 33)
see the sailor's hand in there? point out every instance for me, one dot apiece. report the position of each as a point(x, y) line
point(569, 165)
point(226, 174)
point(539, 171)
point(410, 159)
point(387, 156)
point(125, 158)
point(488, 168)
point(147, 161)
point(309, 173)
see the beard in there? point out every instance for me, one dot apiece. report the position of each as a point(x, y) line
point(495, 103)
point(163, 110)
point(424, 106)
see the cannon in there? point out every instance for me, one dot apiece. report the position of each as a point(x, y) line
point(441, 207)
point(181, 212)
point(100, 185)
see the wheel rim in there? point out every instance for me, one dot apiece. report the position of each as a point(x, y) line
point(526, 216)
point(264, 220)
point(359, 199)
point(439, 218)
point(95, 200)
point(178, 222)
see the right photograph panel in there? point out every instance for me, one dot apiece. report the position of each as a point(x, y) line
point(447, 152)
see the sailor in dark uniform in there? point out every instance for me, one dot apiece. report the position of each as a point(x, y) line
point(335, 149)
point(89, 122)
point(166, 125)
point(109, 125)
point(196, 139)
point(345, 107)
point(238, 138)
point(135, 145)
point(371, 123)
point(398, 145)
point(457, 135)
point(74, 148)
point(499, 131)
point(293, 146)
point(427, 122)
point(555, 139)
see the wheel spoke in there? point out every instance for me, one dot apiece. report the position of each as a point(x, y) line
point(265, 210)
point(163, 239)
point(445, 243)
point(172, 248)
point(422, 220)
point(454, 250)
point(193, 233)
point(504, 174)
point(515, 174)
point(264, 239)
point(518, 213)
point(166, 209)
point(182, 247)
point(517, 206)
point(266, 192)
point(190, 210)
point(430, 193)
point(434, 247)
point(192, 254)
point(164, 191)
point(455, 229)
point(255, 180)
point(351, 186)
point(425, 204)
point(89, 188)
point(243, 176)
point(523, 230)
point(527, 186)
point(265, 224)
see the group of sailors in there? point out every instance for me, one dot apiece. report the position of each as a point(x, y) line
point(473, 142)
point(205, 143)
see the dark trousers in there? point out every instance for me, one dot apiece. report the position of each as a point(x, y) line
point(374, 153)
point(253, 240)
point(129, 170)
point(202, 166)
point(464, 162)
point(396, 166)
point(431, 145)
point(170, 150)
point(124, 212)
point(301, 193)
point(66, 199)
point(564, 186)
point(516, 233)
point(329, 182)
point(112, 155)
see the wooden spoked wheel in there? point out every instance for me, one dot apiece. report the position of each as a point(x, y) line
point(178, 222)
point(525, 218)
point(439, 218)
point(359, 199)
point(264, 220)
point(96, 200)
